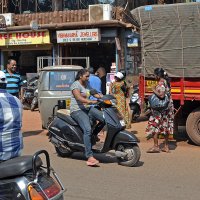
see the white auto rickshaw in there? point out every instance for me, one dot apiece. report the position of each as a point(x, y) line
point(54, 84)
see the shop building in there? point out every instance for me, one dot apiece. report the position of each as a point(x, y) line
point(118, 39)
point(33, 35)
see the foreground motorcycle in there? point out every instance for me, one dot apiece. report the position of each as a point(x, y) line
point(67, 136)
point(135, 103)
point(26, 178)
point(30, 95)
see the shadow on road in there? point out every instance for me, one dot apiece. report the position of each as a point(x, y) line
point(172, 145)
point(31, 133)
point(140, 119)
point(104, 158)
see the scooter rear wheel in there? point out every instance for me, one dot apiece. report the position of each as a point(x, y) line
point(63, 151)
point(133, 155)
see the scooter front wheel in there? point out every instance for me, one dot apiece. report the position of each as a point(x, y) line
point(63, 151)
point(131, 155)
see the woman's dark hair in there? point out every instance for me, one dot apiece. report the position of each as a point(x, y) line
point(81, 73)
point(160, 72)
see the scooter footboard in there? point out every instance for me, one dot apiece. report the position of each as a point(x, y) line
point(125, 137)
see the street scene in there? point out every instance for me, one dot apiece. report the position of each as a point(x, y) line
point(99, 99)
point(157, 176)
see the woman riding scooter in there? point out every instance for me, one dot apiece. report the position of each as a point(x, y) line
point(81, 111)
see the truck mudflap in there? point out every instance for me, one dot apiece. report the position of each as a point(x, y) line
point(125, 137)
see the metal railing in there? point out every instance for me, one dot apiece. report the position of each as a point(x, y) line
point(45, 61)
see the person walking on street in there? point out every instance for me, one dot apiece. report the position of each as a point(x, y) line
point(14, 80)
point(161, 122)
point(117, 91)
point(11, 141)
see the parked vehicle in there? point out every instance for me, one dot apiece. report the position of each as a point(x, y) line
point(30, 100)
point(67, 137)
point(26, 178)
point(135, 103)
point(168, 47)
point(34, 103)
point(54, 84)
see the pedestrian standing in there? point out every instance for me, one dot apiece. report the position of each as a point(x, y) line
point(161, 122)
point(11, 141)
point(116, 89)
point(94, 82)
point(14, 80)
point(101, 73)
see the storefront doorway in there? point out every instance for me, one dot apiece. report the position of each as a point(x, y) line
point(100, 54)
point(26, 60)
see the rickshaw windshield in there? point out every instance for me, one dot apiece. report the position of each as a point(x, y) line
point(61, 80)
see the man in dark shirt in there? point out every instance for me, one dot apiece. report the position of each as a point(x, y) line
point(101, 72)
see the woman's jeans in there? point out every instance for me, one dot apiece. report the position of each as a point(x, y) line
point(82, 117)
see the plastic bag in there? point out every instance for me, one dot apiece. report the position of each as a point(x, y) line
point(157, 103)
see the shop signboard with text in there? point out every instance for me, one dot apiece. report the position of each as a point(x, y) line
point(81, 35)
point(24, 38)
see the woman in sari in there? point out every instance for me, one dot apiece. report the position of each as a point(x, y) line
point(117, 89)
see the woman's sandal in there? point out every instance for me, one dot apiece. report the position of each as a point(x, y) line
point(154, 150)
point(92, 162)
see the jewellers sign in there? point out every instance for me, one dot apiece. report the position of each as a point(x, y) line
point(83, 35)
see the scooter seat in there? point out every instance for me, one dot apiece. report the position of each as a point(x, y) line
point(17, 166)
point(64, 114)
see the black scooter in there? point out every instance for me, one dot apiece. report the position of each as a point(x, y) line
point(135, 103)
point(67, 136)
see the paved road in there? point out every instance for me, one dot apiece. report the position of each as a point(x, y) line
point(173, 176)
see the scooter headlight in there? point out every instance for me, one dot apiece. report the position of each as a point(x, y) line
point(110, 102)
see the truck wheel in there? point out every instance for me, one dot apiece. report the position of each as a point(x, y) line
point(133, 155)
point(63, 151)
point(193, 126)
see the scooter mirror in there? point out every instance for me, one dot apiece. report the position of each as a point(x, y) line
point(61, 104)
